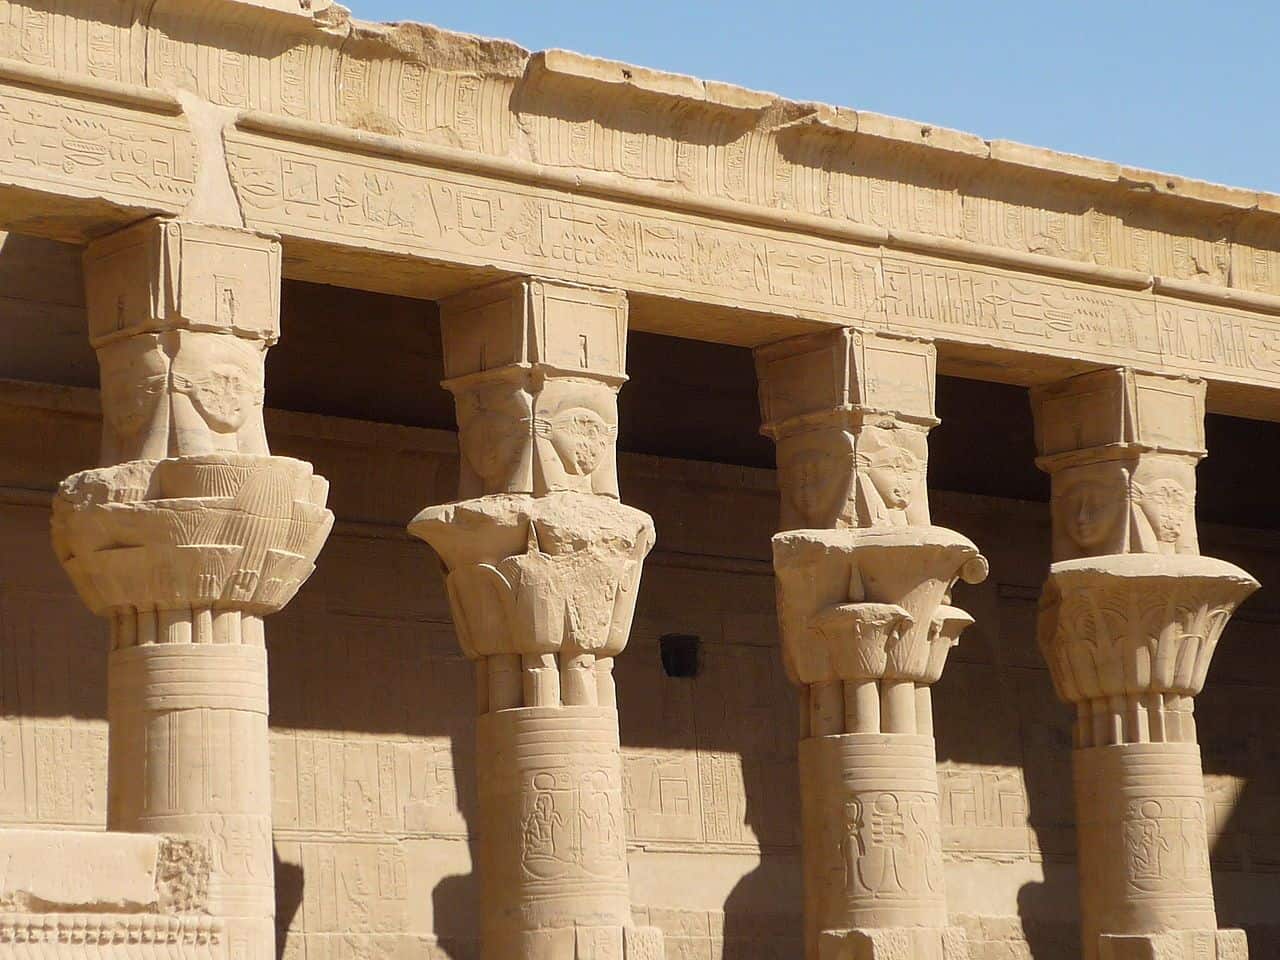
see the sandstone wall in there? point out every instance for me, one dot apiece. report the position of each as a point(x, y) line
point(372, 714)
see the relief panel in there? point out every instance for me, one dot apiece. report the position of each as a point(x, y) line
point(462, 218)
point(62, 144)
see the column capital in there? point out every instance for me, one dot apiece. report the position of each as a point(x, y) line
point(219, 531)
point(1128, 639)
point(535, 367)
point(1121, 448)
point(850, 412)
point(181, 315)
point(532, 576)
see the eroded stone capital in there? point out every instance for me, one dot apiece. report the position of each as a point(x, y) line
point(850, 412)
point(535, 369)
point(181, 316)
point(540, 576)
point(222, 531)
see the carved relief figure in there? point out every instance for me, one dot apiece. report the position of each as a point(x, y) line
point(1164, 506)
point(1089, 507)
point(541, 825)
point(816, 477)
point(1146, 847)
point(599, 841)
point(891, 466)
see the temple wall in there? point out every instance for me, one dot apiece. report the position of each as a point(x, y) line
point(373, 720)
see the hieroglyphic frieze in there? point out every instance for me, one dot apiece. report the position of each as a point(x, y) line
point(62, 144)
point(698, 140)
point(320, 193)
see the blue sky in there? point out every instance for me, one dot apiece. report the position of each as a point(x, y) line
point(1183, 87)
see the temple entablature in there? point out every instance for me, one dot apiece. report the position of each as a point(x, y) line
point(407, 159)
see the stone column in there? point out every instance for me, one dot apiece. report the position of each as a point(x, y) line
point(1129, 619)
point(542, 563)
point(187, 536)
point(864, 583)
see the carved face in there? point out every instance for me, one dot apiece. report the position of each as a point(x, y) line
point(222, 375)
point(576, 427)
point(493, 422)
point(1090, 510)
point(1167, 505)
point(895, 472)
point(492, 443)
point(135, 375)
point(816, 481)
point(580, 437)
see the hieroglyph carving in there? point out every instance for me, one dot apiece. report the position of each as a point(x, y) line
point(639, 129)
point(542, 566)
point(1129, 620)
point(864, 609)
point(189, 536)
point(319, 192)
point(137, 155)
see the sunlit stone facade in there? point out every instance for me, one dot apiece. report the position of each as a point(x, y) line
point(283, 293)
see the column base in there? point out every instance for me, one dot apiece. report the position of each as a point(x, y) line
point(894, 943)
point(592, 943)
point(1175, 945)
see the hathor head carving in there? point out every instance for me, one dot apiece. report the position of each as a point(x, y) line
point(816, 476)
point(1090, 510)
point(221, 376)
point(1163, 510)
point(891, 466)
point(575, 428)
point(495, 437)
point(181, 393)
